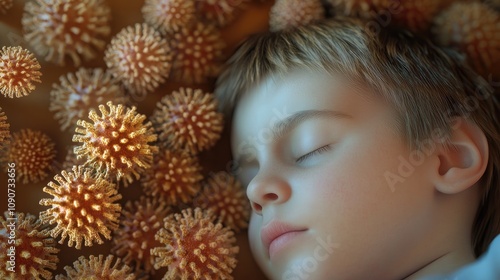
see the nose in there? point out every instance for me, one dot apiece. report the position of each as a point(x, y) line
point(267, 189)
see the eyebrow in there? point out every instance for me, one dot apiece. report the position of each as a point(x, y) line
point(288, 124)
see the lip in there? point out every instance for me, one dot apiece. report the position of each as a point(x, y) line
point(280, 232)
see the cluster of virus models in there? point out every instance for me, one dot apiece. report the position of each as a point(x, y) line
point(126, 129)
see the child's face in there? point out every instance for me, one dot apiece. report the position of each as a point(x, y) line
point(344, 219)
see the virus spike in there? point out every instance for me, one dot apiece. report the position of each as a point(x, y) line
point(4, 128)
point(83, 208)
point(169, 15)
point(97, 268)
point(5, 5)
point(289, 13)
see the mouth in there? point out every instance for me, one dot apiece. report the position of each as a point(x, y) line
point(276, 235)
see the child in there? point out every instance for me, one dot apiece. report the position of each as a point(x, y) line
point(365, 155)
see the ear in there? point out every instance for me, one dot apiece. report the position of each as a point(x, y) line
point(463, 160)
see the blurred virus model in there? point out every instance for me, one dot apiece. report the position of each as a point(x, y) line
point(5, 5)
point(35, 251)
point(19, 69)
point(169, 15)
point(289, 13)
point(220, 12)
point(33, 153)
point(416, 15)
point(135, 237)
point(188, 120)
point(361, 8)
point(83, 207)
point(60, 28)
point(139, 58)
point(97, 268)
point(223, 194)
point(474, 29)
point(174, 177)
point(195, 247)
point(4, 128)
point(198, 53)
point(117, 142)
point(78, 93)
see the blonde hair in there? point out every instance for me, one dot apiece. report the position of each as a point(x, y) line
point(426, 85)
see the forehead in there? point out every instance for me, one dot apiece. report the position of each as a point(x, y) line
point(278, 97)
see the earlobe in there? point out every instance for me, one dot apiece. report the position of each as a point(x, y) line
point(462, 161)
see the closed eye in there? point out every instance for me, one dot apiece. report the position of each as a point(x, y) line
point(313, 153)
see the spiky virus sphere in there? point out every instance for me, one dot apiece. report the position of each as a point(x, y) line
point(474, 29)
point(169, 15)
point(78, 93)
point(289, 13)
point(117, 143)
point(33, 153)
point(19, 69)
point(139, 58)
point(83, 207)
point(66, 28)
point(195, 247)
point(188, 120)
point(417, 15)
point(174, 177)
point(97, 268)
point(219, 12)
point(4, 128)
point(5, 5)
point(35, 251)
point(135, 237)
point(198, 53)
point(224, 195)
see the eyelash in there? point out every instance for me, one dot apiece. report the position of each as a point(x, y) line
point(313, 153)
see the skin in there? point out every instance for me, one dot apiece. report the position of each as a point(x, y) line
point(339, 194)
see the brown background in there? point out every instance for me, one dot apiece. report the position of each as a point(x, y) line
point(32, 112)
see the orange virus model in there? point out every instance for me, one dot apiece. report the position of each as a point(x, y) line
point(135, 237)
point(97, 268)
point(5, 5)
point(83, 207)
point(188, 120)
point(220, 12)
point(416, 15)
point(139, 58)
point(289, 13)
point(117, 143)
point(33, 152)
point(225, 196)
point(4, 128)
point(77, 93)
point(474, 29)
point(174, 177)
point(198, 53)
point(34, 251)
point(195, 247)
point(19, 69)
point(66, 28)
point(169, 15)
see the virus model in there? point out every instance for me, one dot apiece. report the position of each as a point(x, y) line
point(474, 29)
point(169, 15)
point(35, 251)
point(19, 69)
point(66, 28)
point(139, 58)
point(198, 53)
point(135, 237)
point(188, 120)
point(220, 12)
point(225, 196)
point(289, 13)
point(117, 143)
point(33, 153)
point(174, 177)
point(195, 247)
point(78, 93)
point(4, 128)
point(97, 268)
point(83, 207)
